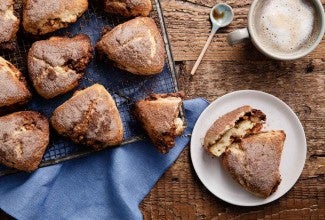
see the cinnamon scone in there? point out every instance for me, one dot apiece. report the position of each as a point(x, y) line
point(56, 65)
point(45, 16)
point(254, 162)
point(90, 117)
point(13, 86)
point(9, 25)
point(24, 137)
point(128, 8)
point(159, 115)
point(135, 46)
point(232, 126)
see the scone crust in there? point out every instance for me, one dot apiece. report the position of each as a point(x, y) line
point(13, 86)
point(225, 122)
point(45, 16)
point(9, 25)
point(157, 114)
point(255, 164)
point(135, 46)
point(228, 121)
point(128, 8)
point(90, 117)
point(56, 65)
point(24, 137)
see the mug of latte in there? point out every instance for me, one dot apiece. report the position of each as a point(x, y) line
point(283, 29)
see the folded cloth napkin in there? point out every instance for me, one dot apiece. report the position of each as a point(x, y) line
point(106, 185)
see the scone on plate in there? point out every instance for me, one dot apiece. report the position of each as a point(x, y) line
point(128, 8)
point(9, 25)
point(232, 126)
point(56, 65)
point(135, 46)
point(90, 117)
point(24, 137)
point(159, 115)
point(13, 86)
point(45, 16)
point(254, 162)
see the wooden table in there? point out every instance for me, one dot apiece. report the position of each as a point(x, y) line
point(301, 84)
point(179, 194)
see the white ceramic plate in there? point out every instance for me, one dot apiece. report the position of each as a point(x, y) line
point(279, 116)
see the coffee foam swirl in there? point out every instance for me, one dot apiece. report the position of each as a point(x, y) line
point(285, 26)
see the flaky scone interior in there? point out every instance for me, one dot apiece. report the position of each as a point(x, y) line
point(233, 126)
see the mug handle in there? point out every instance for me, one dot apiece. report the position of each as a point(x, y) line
point(237, 36)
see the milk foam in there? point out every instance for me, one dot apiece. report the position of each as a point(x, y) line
point(285, 25)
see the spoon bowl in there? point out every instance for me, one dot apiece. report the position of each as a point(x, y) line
point(221, 15)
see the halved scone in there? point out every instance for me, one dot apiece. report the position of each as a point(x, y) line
point(45, 16)
point(13, 86)
point(232, 126)
point(57, 65)
point(159, 115)
point(24, 137)
point(90, 117)
point(254, 162)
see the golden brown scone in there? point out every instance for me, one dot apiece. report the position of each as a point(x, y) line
point(9, 25)
point(159, 116)
point(56, 65)
point(90, 117)
point(135, 46)
point(13, 86)
point(232, 126)
point(45, 16)
point(24, 137)
point(254, 162)
point(128, 8)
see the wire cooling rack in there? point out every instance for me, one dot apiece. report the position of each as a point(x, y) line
point(124, 87)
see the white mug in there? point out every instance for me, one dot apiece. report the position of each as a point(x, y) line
point(249, 32)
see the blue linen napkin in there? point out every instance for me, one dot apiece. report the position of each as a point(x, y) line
point(106, 185)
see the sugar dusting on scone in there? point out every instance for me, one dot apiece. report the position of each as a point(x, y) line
point(128, 8)
point(45, 16)
point(24, 137)
point(9, 25)
point(254, 162)
point(159, 115)
point(135, 46)
point(57, 65)
point(90, 117)
point(13, 86)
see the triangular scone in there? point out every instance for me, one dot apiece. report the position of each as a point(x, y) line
point(45, 16)
point(254, 162)
point(90, 117)
point(159, 116)
point(24, 137)
point(232, 126)
point(57, 65)
point(13, 86)
point(135, 46)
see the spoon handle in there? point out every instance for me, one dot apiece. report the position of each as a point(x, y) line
point(197, 63)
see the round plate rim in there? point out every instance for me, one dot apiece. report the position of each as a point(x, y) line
point(263, 202)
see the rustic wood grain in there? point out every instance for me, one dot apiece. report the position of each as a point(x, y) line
point(179, 194)
point(189, 26)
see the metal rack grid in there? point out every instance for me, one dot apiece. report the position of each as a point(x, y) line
point(123, 86)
